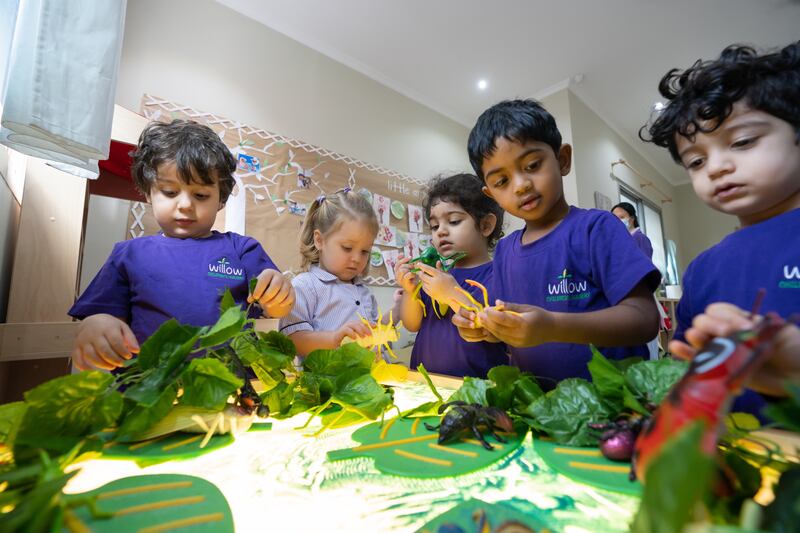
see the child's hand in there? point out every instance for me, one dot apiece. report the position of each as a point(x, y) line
point(353, 330)
point(104, 342)
point(525, 326)
point(274, 293)
point(723, 319)
point(402, 273)
point(464, 321)
point(440, 286)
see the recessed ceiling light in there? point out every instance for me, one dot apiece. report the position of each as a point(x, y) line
point(482, 85)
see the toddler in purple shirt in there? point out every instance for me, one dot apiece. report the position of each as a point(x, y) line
point(185, 171)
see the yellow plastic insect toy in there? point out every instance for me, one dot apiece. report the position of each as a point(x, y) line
point(380, 337)
point(477, 307)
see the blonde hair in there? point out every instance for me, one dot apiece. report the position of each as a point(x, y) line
point(327, 214)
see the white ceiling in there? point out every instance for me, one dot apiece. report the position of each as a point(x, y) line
point(435, 51)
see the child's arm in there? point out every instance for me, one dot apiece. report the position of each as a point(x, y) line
point(723, 319)
point(634, 320)
point(274, 293)
point(308, 341)
point(103, 342)
point(410, 309)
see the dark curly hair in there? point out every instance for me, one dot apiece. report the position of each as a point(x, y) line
point(515, 120)
point(466, 191)
point(196, 150)
point(702, 96)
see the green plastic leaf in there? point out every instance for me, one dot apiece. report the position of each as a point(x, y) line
point(675, 483)
point(63, 411)
point(140, 419)
point(230, 322)
point(608, 380)
point(649, 381)
point(207, 384)
point(398, 456)
point(564, 412)
point(473, 390)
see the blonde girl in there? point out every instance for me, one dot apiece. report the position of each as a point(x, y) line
point(335, 243)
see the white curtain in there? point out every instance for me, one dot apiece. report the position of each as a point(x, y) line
point(60, 80)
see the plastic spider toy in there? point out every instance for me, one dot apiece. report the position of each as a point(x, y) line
point(462, 417)
point(430, 257)
point(705, 393)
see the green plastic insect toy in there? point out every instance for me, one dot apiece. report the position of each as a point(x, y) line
point(430, 257)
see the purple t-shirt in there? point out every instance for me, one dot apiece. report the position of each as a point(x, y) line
point(643, 243)
point(148, 280)
point(441, 349)
point(763, 255)
point(587, 263)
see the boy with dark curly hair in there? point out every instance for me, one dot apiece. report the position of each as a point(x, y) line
point(734, 124)
point(186, 173)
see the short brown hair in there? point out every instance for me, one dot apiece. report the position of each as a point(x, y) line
point(197, 151)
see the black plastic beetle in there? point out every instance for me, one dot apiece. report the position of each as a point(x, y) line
point(462, 417)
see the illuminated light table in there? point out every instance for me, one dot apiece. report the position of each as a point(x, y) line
point(281, 480)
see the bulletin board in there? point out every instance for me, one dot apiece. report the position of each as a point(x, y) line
point(277, 180)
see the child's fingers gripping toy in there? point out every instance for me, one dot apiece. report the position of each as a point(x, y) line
point(705, 393)
point(430, 256)
point(477, 307)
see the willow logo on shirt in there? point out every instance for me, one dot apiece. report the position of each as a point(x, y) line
point(791, 277)
point(566, 289)
point(223, 269)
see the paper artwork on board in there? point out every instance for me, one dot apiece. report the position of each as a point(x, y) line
point(381, 205)
point(415, 218)
point(390, 260)
point(411, 247)
point(387, 236)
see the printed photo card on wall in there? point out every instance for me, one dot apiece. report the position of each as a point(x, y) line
point(278, 178)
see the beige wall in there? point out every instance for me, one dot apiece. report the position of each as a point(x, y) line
point(700, 226)
point(202, 54)
point(9, 223)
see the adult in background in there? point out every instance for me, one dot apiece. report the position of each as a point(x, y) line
point(627, 214)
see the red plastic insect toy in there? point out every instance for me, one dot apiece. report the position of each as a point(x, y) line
point(715, 376)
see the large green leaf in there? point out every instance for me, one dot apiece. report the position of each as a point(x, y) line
point(171, 359)
point(526, 390)
point(335, 362)
point(62, 411)
point(230, 323)
point(473, 390)
point(207, 384)
point(362, 393)
point(10, 418)
point(139, 419)
point(608, 380)
point(160, 345)
point(675, 483)
point(564, 412)
point(502, 393)
point(781, 515)
point(649, 381)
